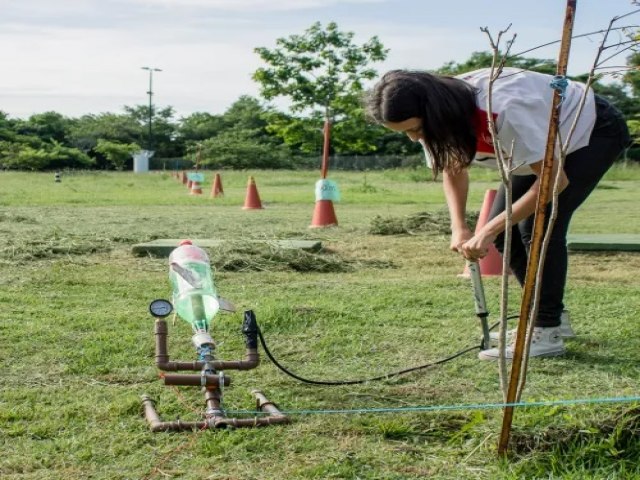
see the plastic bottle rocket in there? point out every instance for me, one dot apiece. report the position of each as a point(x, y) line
point(194, 294)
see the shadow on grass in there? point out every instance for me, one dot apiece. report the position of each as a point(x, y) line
point(603, 361)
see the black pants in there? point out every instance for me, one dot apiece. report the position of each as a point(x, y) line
point(584, 168)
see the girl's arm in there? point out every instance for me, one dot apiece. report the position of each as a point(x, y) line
point(456, 189)
point(522, 208)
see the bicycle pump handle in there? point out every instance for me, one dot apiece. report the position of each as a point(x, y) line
point(479, 301)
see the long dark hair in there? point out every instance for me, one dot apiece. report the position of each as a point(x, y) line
point(446, 106)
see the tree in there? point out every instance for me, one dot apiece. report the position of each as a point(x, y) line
point(116, 153)
point(243, 141)
point(246, 112)
point(632, 77)
point(118, 128)
point(321, 72)
point(45, 156)
point(197, 127)
point(242, 148)
point(7, 130)
point(47, 126)
point(163, 129)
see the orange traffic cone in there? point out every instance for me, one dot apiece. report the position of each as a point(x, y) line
point(252, 199)
point(184, 177)
point(216, 189)
point(490, 265)
point(195, 189)
point(324, 215)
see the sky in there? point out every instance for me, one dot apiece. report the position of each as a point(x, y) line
point(78, 57)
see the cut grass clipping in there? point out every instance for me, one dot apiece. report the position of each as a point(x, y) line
point(256, 257)
point(421, 223)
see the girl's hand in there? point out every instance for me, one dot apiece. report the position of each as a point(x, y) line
point(477, 246)
point(458, 238)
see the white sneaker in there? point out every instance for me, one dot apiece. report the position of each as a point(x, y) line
point(565, 329)
point(545, 342)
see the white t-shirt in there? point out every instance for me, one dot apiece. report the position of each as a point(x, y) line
point(521, 106)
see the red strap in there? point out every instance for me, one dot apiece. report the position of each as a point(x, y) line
point(484, 144)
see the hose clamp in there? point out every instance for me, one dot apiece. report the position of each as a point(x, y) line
point(221, 388)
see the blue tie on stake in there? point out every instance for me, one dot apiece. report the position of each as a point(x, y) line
point(196, 177)
point(327, 190)
point(560, 83)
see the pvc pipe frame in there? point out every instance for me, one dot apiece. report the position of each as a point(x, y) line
point(214, 416)
point(216, 419)
point(252, 358)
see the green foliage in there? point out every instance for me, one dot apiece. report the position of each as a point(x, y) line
point(47, 156)
point(243, 140)
point(199, 126)
point(163, 129)
point(7, 128)
point(48, 126)
point(38, 143)
point(243, 148)
point(246, 112)
point(117, 128)
point(300, 133)
point(321, 72)
point(632, 77)
point(117, 154)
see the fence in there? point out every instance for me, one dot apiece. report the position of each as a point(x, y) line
point(336, 162)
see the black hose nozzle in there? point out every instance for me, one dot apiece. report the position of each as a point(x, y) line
point(250, 329)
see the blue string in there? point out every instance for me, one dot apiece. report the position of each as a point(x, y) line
point(560, 84)
point(432, 408)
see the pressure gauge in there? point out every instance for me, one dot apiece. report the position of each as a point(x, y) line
point(160, 308)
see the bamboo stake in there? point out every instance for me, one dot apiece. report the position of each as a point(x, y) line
point(538, 229)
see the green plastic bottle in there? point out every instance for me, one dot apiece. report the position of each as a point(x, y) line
point(194, 295)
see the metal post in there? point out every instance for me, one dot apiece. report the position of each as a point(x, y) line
point(538, 231)
point(480, 302)
point(150, 93)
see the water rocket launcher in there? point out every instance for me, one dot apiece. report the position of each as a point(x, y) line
point(210, 376)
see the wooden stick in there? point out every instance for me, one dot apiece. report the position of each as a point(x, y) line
point(538, 231)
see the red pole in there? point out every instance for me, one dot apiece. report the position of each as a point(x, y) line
point(325, 149)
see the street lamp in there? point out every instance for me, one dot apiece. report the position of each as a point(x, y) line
point(150, 93)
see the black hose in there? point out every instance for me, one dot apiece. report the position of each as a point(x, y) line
point(373, 379)
point(356, 382)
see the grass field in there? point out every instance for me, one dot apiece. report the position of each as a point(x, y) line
point(77, 345)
